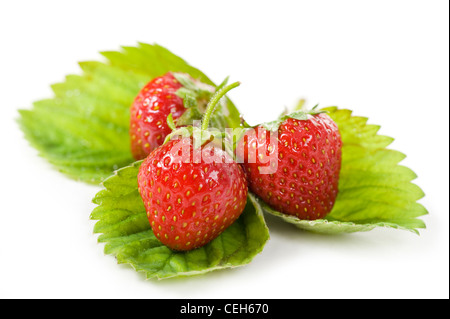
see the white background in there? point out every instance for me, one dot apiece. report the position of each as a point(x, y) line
point(387, 60)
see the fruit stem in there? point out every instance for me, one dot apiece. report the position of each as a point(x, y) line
point(213, 102)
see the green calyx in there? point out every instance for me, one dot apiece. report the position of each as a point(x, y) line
point(202, 134)
point(301, 114)
point(196, 95)
point(193, 92)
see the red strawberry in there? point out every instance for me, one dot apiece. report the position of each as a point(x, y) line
point(306, 157)
point(192, 193)
point(149, 112)
point(189, 204)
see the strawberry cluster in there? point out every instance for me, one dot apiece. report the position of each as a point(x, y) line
point(193, 191)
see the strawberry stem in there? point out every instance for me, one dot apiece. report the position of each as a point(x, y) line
point(213, 102)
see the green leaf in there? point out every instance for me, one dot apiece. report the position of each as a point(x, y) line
point(374, 190)
point(83, 129)
point(125, 230)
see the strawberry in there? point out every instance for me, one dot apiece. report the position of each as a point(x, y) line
point(306, 160)
point(189, 204)
point(191, 194)
point(162, 96)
